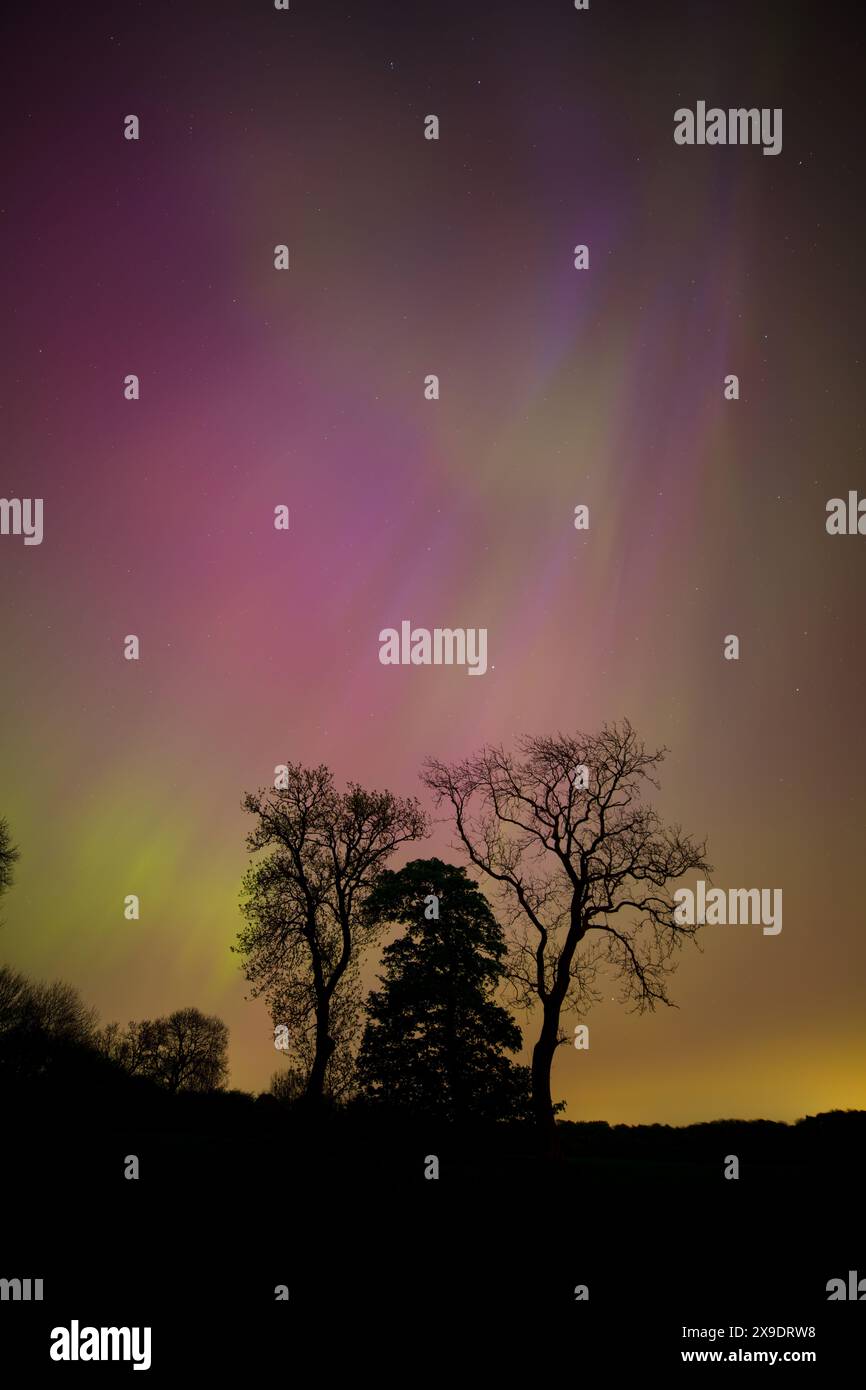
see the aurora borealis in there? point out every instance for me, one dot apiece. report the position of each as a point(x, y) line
point(557, 387)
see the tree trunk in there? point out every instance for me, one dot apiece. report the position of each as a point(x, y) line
point(542, 1101)
point(314, 1094)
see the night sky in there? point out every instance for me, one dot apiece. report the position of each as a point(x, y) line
point(557, 387)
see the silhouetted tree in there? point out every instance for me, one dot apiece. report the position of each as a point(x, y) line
point(8, 856)
point(289, 1085)
point(193, 1051)
point(135, 1047)
point(305, 927)
point(569, 860)
point(56, 1010)
point(13, 989)
point(436, 1036)
point(343, 1022)
point(187, 1051)
point(38, 1020)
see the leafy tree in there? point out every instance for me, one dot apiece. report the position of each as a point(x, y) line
point(584, 872)
point(436, 1038)
point(306, 928)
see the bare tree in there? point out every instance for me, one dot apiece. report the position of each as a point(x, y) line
point(57, 1011)
point(583, 870)
point(193, 1051)
point(135, 1047)
point(8, 855)
point(188, 1051)
point(14, 991)
point(39, 1022)
point(305, 925)
point(288, 1086)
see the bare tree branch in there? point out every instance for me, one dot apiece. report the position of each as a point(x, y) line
point(567, 859)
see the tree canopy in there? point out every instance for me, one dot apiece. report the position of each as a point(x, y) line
point(186, 1051)
point(436, 1038)
point(583, 863)
point(306, 927)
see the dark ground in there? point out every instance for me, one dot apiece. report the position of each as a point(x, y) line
point(235, 1198)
